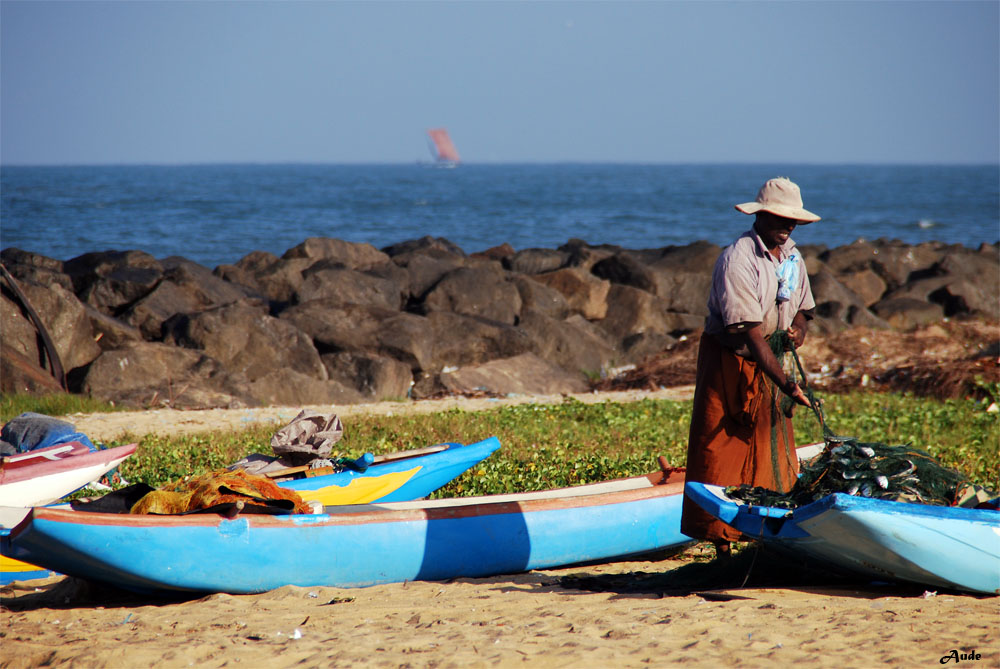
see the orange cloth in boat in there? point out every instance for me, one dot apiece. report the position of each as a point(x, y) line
point(733, 423)
point(218, 487)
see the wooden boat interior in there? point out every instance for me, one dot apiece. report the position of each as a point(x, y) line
point(675, 476)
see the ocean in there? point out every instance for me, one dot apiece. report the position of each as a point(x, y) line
point(216, 214)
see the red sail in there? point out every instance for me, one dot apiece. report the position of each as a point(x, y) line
point(446, 150)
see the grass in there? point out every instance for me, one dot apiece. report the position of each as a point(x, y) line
point(56, 404)
point(547, 446)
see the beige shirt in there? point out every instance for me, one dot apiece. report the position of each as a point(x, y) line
point(745, 287)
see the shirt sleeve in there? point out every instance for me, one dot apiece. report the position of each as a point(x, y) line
point(736, 285)
point(806, 300)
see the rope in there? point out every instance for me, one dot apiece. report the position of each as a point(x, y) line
point(851, 466)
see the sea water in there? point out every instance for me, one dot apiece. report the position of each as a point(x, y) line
point(216, 214)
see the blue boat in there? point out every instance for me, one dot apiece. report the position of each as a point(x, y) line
point(395, 477)
point(362, 545)
point(945, 547)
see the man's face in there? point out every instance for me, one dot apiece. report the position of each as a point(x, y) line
point(774, 230)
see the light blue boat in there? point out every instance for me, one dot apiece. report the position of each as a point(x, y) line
point(406, 475)
point(362, 545)
point(945, 547)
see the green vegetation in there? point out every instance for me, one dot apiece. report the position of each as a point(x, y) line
point(56, 404)
point(546, 446)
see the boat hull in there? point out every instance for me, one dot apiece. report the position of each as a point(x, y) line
point(946, 547)
point(357, 546)
point(47, 480)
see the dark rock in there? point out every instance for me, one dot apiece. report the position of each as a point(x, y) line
point(85, 269)
point(537, 261)
point(20, 374)
point(837, 306)
point(152, 374)
point(210, 290)
point(906, 313)
point(866, 284)
point(287, 387)
point(474, 291)
point(375, 377)
point(353, 255)
point(625, 269)
point(246, 340)
point(109, 332)
point(967, 295)
point(186, 287)
point(424, 270)
point(632, 311)
point(696, 257)
point(167, 299)
point(349, 286)
point(63, 317)
point(684, 292)
point(460, 340)
point(893, 261)
point(18, 332)
point(502, 253)
point(335, 326)
point(34, 267)
point(585, 293)
point(573, 344)
point(640, 346)
point(266, 274)
point(525, 374)
point(427, 245)
point(408, 338)
point(541, 298)
point(119, 287)
point(15, 256)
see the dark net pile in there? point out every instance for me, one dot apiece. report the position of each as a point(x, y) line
point(866, 469)
point(850, 466)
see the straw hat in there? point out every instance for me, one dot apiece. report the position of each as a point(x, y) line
point(781, 197)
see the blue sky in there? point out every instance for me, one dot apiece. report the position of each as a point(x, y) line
point(348, 82)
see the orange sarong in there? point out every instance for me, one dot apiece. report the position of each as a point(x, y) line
point(738, 435)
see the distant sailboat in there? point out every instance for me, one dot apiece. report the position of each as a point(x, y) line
point(443, 149)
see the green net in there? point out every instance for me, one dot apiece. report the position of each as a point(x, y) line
point(848, 465)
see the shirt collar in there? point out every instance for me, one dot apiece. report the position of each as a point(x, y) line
point(784, 250)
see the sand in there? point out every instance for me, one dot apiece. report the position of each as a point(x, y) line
point(104, 427)
point(522, 620)
point(621, 614)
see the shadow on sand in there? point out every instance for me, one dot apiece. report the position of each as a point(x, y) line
point(721, 579)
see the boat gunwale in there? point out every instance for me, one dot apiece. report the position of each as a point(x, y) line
point(663, 486)
point(844, 503)
point(63, 465)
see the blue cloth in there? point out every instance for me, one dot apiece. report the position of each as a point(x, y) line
point(788, 277)
point(31, 431)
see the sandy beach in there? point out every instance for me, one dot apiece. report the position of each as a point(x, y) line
point(683, 609)
point(536, 619)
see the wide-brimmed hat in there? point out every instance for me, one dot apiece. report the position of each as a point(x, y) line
point(779, 196)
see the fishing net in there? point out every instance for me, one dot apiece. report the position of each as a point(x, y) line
point(851, 466)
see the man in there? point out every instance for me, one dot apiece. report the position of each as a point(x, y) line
point(738, 432)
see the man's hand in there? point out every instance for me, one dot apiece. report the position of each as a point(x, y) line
point(797, 394)
point(797, 330)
